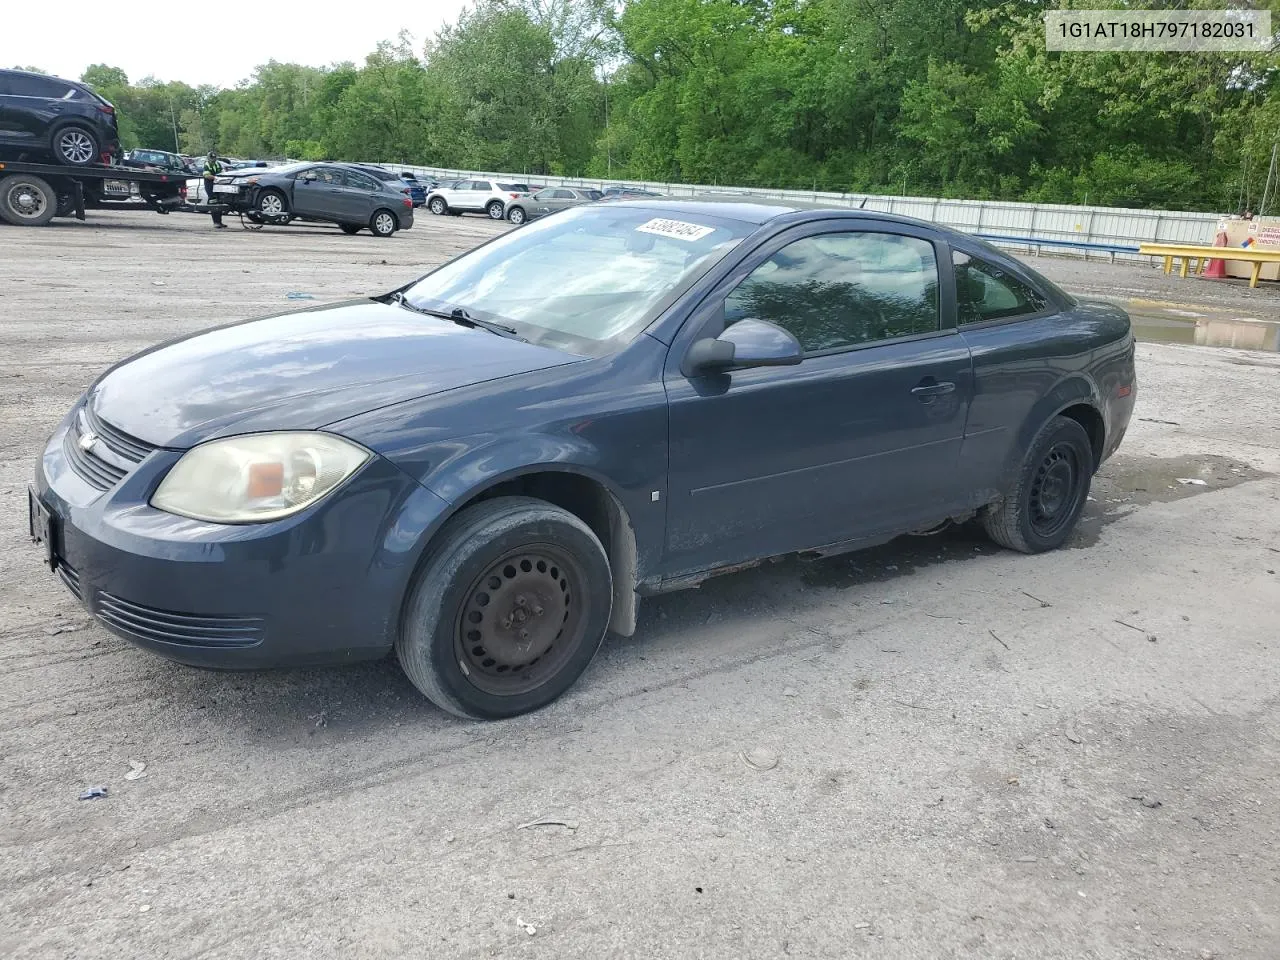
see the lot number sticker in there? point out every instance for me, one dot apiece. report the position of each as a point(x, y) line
point(675, 229)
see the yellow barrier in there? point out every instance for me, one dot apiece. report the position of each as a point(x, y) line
point(1187, 254)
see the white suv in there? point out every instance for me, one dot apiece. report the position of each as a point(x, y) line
point(476, 196)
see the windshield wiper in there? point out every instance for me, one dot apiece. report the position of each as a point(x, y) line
point(459, 315)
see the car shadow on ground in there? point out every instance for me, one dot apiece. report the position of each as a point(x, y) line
point(362, 699)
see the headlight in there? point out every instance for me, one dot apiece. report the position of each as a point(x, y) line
point(257, 477)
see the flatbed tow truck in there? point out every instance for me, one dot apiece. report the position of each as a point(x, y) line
point(32, 194)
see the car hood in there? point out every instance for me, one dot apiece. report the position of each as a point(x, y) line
point(302, 370)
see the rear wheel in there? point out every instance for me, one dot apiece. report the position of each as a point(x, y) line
point(1049, 495)
point(510, 606)
point(383, 223)
point(516, 215)
point(75, 146)
point(349, 228)
point(27, 201)
point(438, 206)
point(495, 209)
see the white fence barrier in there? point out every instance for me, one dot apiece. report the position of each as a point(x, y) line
point(1078, 225)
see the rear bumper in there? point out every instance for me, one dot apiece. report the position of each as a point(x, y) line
point(323, 586)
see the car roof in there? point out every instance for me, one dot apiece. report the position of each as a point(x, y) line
point(761, 210)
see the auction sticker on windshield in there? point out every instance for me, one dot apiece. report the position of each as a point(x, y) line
point(675, 229)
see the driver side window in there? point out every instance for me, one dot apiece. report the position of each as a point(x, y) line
point(840, 290)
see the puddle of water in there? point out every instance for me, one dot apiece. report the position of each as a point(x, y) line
point(1153, 323)
point(1126, 482)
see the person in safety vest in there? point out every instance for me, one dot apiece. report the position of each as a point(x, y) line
point(212, 169)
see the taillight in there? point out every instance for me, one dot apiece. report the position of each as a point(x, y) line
point(515, 196)
point(408, 202)
point(107, 108)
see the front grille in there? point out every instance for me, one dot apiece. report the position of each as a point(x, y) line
point(92, 465)
point(165, 626)
point(70, 578)
point(116, 440)
point(91, 468)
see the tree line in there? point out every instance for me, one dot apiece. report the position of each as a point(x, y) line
point(953, 98)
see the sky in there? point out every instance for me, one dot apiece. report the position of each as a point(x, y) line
point(171, 43)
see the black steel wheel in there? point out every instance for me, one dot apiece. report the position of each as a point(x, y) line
point(1050, 492)
point(508, 608)
point(519, 621)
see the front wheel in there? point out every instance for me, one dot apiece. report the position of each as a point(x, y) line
point(75, 146)
point(516, 215)
point(437, 206)
point(510, 606)
point(271, 204)
point(383, 223)
point(495, 209)
point(1049, 494)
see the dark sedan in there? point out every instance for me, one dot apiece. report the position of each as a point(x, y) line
point(487, 468)
point(330, 192)
point(549, 200)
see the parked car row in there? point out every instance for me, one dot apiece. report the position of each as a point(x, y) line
point(518, 202)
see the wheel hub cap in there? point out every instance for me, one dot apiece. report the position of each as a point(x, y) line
point(1055, 490)
point(519, 621)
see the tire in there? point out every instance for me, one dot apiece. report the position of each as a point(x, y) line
point(350, 229)
point(272, 205)
point(74, 145)
point(516, 215)
point(27, 201)
point(438, 206)
point(495, 209)
point(383, 223)
point(460, 642)
point(1052, 487)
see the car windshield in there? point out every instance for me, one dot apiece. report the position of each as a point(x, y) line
point(595, 194)
point(586, 280)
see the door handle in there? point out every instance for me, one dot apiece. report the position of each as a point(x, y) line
point(927, 391)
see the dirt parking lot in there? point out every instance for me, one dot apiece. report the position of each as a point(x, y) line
point(980, 754)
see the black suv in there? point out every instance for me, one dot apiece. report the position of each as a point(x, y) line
point(59, 118)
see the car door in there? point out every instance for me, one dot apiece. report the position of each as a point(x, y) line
point(27, 109)
point(560, 199)
point(362, 194)
point(465, 196)
point(859, 440)
point(1005, 321)
point(539, 204)
point(319, 192)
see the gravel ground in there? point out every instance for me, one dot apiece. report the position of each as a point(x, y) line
point(979, 754)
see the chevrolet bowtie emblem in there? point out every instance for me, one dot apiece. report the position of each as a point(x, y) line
point(87, 441)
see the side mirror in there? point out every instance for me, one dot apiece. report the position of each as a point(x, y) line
point(748, 343)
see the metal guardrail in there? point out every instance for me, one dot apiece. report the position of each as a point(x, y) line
point(1081, 230)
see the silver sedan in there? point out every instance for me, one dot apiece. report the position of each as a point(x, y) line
point(548, 201)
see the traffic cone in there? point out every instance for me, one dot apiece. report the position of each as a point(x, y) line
point(1217, 269)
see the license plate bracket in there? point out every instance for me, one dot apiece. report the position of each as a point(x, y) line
point(226, 188)
point(42, 527)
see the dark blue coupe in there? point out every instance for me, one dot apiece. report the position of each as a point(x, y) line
point(486, 469)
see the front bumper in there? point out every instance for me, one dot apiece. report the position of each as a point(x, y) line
point(323, 586)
